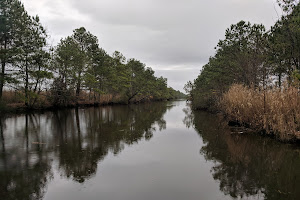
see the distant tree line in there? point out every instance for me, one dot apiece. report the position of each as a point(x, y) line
point(38, 73)
point(251, 56)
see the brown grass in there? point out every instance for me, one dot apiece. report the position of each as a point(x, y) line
point(11, 97)
point(16, 100)
point(88, 98)
point(276, 111)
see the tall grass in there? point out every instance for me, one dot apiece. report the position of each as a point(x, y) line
point(16, 100)
point(11, 97)
point(274, 110)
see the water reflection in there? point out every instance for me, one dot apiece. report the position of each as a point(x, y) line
point(24, 168)
point(77, 140)
point(68, 147)
point(247, 165)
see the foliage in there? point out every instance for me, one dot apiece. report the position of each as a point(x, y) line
point(24, 57)
point(244, 78)
point(76, 65)
point(251, 56)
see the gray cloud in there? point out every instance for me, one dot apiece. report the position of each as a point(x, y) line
point(164, 34)
point(178, 76)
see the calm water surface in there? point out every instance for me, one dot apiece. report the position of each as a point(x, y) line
point(157, 151)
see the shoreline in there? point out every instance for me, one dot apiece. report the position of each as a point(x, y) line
point(22, 109)
point(246, 128)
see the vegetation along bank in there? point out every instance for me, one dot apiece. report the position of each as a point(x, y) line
point(75, 72)
point(253, 78)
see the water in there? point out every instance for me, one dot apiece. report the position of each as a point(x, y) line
point(140, 152)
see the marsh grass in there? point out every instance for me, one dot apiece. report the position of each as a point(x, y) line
point(11, 97)
point(275, 111)
point(15, 100)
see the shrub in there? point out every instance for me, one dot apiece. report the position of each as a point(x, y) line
point(60, 95)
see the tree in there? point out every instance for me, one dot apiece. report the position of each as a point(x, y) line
point(119, 75)
point(23, 50)
point(284, 42)
point(288, 5)
point(11, 26)
point(243, 51)
point(73, 57)
point(86, 44)
point(141, 80)
point(96, 75)
point(160, 89)
point(239, 58)
point(64, 58)
point(32, 61)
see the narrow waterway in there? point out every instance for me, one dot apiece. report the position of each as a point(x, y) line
point(152, 151)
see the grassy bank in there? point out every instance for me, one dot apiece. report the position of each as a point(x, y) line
point(274, 111)
point(13, 102)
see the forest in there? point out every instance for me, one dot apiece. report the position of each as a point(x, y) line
point(253, 78)
point(77, 71)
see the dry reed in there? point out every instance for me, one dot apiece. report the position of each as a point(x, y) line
point(273, 110)
point(15, 99)
point(11, 97)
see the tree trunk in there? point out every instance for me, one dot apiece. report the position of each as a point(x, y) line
point(36, 87)
point(26, 133)
point(95, 98)
point(78, 128)
point(2, 136)
point(26, 84)
point(279, 80)
point(37, 81)
point(264, 88)
point(78, 87)
point(132, 97)
point(2, 79)
point(2, 75)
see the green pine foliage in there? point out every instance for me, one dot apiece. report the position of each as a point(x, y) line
point(251, 56)
point(76, 70)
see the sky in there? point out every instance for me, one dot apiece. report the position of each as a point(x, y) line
point(173, 37)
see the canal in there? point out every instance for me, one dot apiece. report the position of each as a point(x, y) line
point(151, 151)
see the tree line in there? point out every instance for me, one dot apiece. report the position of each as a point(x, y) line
point(75, 68)
point(252, 56)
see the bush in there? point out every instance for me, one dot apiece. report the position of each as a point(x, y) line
point(60, 95)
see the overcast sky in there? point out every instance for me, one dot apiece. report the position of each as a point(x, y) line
point(174, 37)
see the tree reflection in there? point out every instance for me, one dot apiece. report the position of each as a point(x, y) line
point(100, 131)
point(248, 165)
point(24, 169)
point(189, 117)
point(2, 140)
point(77, 139)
